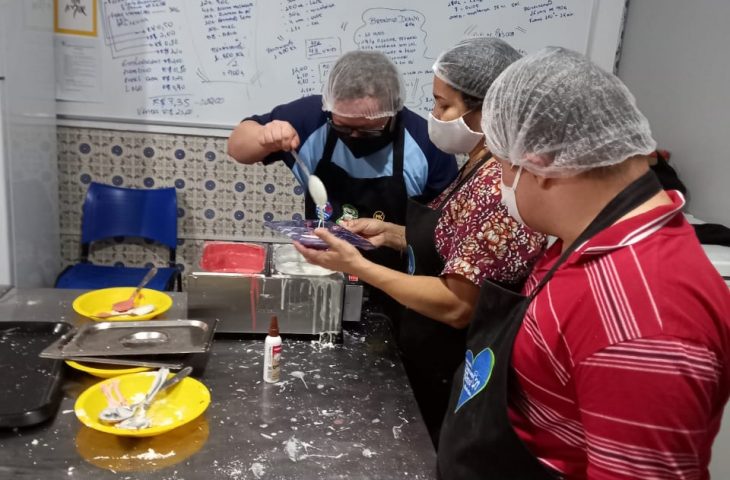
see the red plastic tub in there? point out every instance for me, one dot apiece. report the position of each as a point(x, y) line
point(233, 257)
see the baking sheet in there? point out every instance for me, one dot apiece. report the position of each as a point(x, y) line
point(31, 385)
point(302, 231)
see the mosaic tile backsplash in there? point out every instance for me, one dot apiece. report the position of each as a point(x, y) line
point(218, 198)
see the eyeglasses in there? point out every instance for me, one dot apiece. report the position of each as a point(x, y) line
point(361, 132)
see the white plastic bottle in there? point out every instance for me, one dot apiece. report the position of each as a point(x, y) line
point(272, 352)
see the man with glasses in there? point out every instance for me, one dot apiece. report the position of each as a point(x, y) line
point(370, 152)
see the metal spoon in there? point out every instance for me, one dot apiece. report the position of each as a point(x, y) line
point(133, 416)
point(118, 413)
point(314, 184)
point(139, 419)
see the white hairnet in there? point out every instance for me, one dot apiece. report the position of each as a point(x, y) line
point(472, 64)
point(362, 75)
point(557, 114)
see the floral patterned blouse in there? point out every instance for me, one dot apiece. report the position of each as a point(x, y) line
point(475, 235)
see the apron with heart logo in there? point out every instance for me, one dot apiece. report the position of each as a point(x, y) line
point(477, 439)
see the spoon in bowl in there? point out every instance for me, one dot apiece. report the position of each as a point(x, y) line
point(134, 416)
point(120, 410)
point(128, 304)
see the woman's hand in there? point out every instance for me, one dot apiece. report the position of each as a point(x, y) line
point(370, 228)
point(378, 232)
point(341, 256)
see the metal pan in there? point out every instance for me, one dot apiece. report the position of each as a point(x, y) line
point(155, 337)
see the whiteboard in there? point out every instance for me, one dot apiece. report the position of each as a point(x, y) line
point(209, 63)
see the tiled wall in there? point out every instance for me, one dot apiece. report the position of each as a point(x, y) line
point(218, 199)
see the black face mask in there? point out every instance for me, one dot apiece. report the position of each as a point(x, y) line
point(364, 146)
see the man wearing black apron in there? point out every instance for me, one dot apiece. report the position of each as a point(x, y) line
point(355, 138)
point(594, 383)
point(369, 197)
point(477, 438)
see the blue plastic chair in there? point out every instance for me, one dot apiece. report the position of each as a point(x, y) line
point(110, 212)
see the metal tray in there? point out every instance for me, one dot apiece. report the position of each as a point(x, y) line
point(153, 337)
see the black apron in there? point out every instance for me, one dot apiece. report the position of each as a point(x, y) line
point(386, 196)
point(431, 350)
point(477, 439)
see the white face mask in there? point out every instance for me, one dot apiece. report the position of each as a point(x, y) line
point(453, 136)
point(509, 199)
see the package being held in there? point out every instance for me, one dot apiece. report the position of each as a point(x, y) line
point(272, 352)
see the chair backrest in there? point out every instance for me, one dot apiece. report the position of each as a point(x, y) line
point(129, 212)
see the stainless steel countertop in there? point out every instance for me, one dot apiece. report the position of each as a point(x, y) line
point(340, 411)
point(54, 305)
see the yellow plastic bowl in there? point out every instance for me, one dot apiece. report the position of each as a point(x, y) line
point(170, 409)
point(91, 303)
point(105, 371)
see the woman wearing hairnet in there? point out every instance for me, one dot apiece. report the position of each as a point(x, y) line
point(611, 364)
point(454, 243)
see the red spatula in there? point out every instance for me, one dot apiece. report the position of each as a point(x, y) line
point(128, 304)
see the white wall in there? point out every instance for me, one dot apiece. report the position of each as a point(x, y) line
point(29, 224)
point(676, 61)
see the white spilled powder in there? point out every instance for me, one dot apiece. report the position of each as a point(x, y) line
point(325, 342)
point(300, 376)
point(329, 413)
point(34, 442)
point(235, 469)
point(296, 449)
point(150, 454)
point(397, 429)
point(367, 453)
point(257, 469)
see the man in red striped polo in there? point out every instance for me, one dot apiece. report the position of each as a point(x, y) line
point(620, 368)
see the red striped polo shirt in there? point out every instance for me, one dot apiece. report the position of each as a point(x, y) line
point(621, 362)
